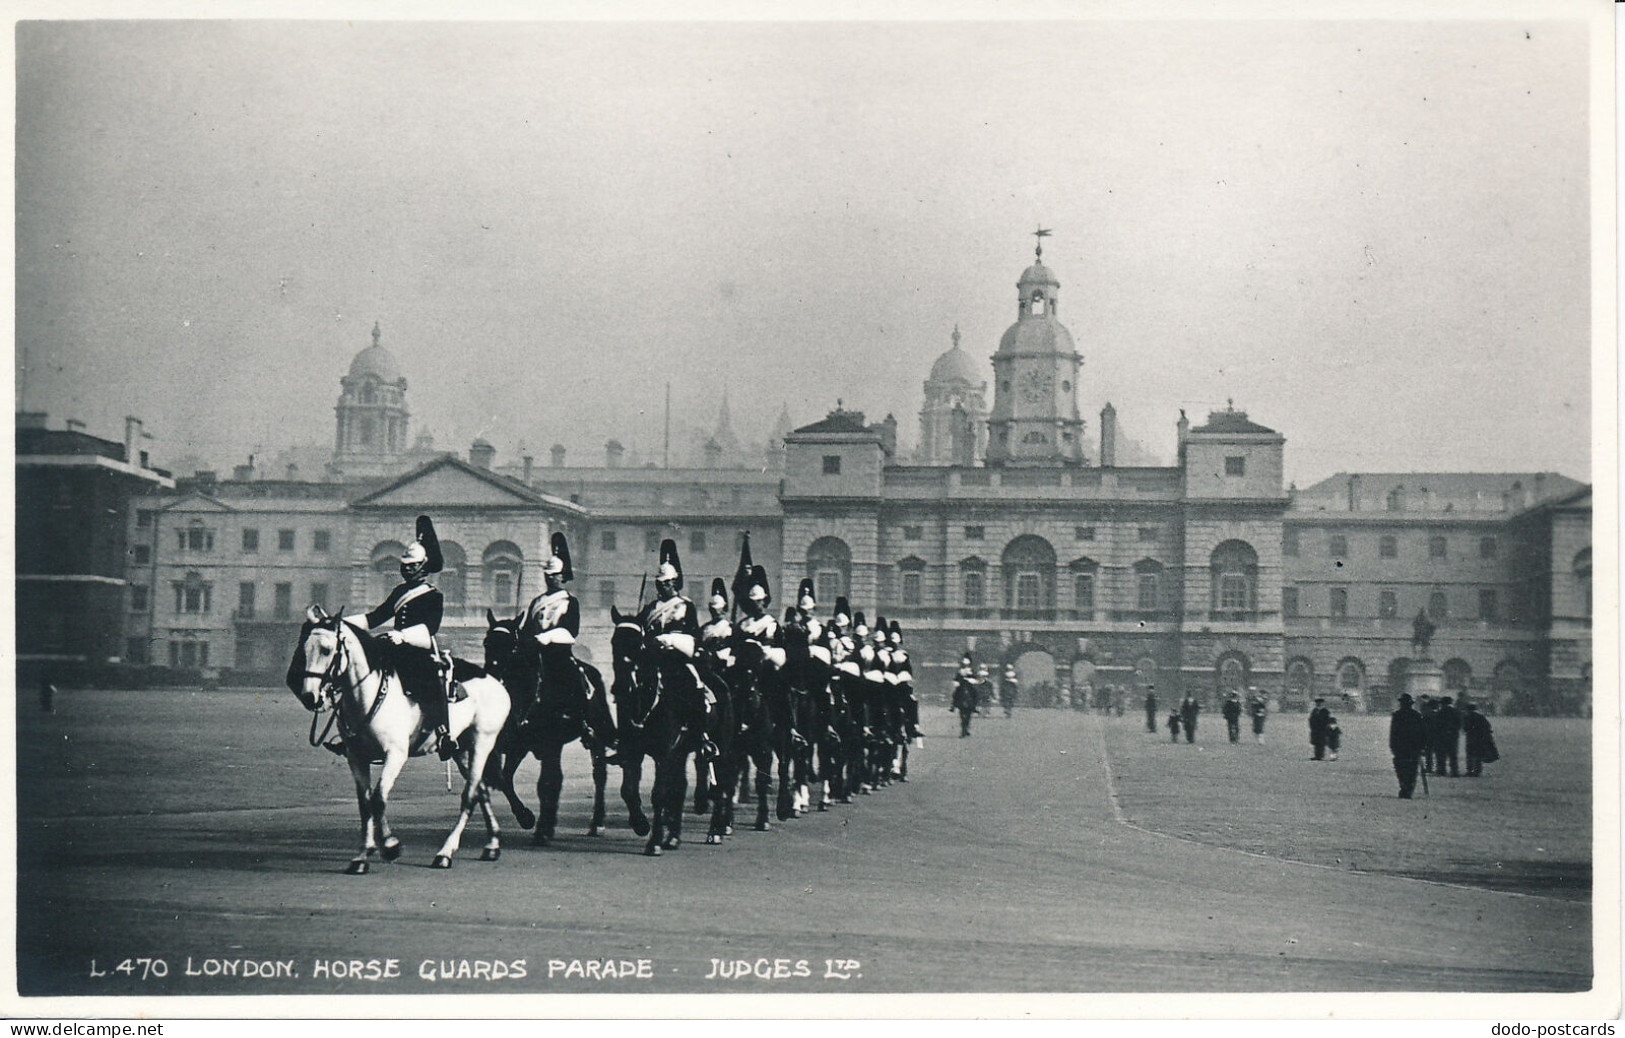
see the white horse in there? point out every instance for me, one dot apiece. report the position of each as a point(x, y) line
point(333, 669)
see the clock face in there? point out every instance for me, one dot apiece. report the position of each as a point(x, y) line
point(1036, 386)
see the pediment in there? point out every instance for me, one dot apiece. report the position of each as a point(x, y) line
point(450, 483)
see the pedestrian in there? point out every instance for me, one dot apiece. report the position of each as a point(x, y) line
point(1480, 741)
point(1407, 738)
point(1008, 690)
point(1334, 737)
point(1446, 738)
point(1232, 715)
point(1259, 710)
point(1188, 709)
point(965, 695)
point(1319, 718)
point(1151, 708)
point(1173, 726)
point(1429, 709)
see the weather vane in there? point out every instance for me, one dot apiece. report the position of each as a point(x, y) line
point(1041, 234)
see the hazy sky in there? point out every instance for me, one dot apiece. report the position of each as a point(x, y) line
point(1373, 235)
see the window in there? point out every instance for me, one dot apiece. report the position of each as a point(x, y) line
point(696, 540)
point(1146, 598)
point(1234, 573)
point(1029, 591)
point(1148, 533)
point(1437, 547)
point(1340, 602)
point(251, 541)
point(1235, 466)
point(975, 588)
point(318, 594)
point(651, 540)
point(140, 554)
point(911, 588)
point(913, 533)
point(284, 540)
point(502, 588)
point(1387, 604)
point(245, 600)
point(606, 540)
point(832, 464)
point(192, 595)
point(828, 584)
point(1233, 591)
point(1083, 533)
point(188, 655)
point(1438, 606)
point(1350, 677)
point(143, 518)
point(1289, 601)
point(195, 538)
point(1083, 593)
point(1487, 547)
point(975, 533)
point(284, 601)
point(606, 593)
point(1388, 546)
point(245, 655)
point(1486, 604)
point(1337, 546)
point(321, 540)
point(1289, 541)
point(138, 598)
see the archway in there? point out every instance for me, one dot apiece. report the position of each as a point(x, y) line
point(1036, 676)
point(1028, 563)
point(829, 564)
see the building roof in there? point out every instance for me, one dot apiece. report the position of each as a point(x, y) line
point(1037, 333)
point(956, 366)
point(1231, 421)
point(1038, 274)
point(1457, 492)
point(376, 361)
point(837, 421)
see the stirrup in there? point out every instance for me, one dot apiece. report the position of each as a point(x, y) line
point(448, 745)
point(335, 745)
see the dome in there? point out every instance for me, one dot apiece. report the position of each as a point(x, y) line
point(1037, 335)
point(1038, 274)
point(956, 366)
point(376, 361)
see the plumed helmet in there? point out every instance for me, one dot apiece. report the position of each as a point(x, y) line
point(425, 549)
point(671, 568)
point(880, 628)
point(758, 590)
point(896, 632)
point(806, 591)
point(719, 594)
point(745, 572)
point(558, 564)
point(843, 611)
point(859, 624)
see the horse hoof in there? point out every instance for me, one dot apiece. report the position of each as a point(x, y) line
point(527, 820)
point(653, 850)
point(491, 854)
point(823, 805)
point(539, 839)
point(713, 839)
point(358, 868)
point(640, 826)
point(727, 830)
point(390, 850)
point(596, 830)
point(763, 827)
point(672, 843)
point(441, 861)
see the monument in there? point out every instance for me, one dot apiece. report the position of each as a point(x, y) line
point(1423, 677)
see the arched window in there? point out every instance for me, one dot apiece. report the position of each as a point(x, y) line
point(973, 583)
point(386, 568)
point(1145, 671)
point(1457, 675)
point(1399, 670)
point(1029, 576)
point(452, 580)
point(1300, 678)
point(1350, 675)
point(829, 563)
point(1038, 304)
point(503, 564)
point(1508, 677)
point(1234, 565)
point(1232, 672)
point(1148, 586)
point(1438, 607)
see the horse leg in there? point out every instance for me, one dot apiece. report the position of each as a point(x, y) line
point(510, 765)
point(361, 771)
point(678, 794)
point(394, 761)
point(473, 766)
point(600, 776)
point(493, 832)
point(702, 788)
point(657, 801)
point(764, 779)
point(549, 783)
point(902, 770)
point(631, 795)
point(786, 803)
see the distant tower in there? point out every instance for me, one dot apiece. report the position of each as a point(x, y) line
point(1035, 419)
point(726, 443)
point(955, 394)
point(782, 426)
point(373, 429)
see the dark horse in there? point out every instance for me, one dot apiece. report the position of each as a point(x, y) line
point(666, 724)
point(540, 726)
point(750, 741)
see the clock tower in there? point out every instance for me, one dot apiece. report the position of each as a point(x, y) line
point(1035, 418)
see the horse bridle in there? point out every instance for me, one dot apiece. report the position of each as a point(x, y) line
point(635, 663)
point(330, 695)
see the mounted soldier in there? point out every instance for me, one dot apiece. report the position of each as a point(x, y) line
point(547, 636)
point(412, 612)
point(903, 679)
point(671, 631)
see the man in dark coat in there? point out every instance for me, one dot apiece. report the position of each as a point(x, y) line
point(1446, 738)
point(1259, 711)
point(1232, 715)
point(1151, 708)
point(1188, 709)
point(1480, 741)
point(965, 695)
point(1407, 737)
point(1320, 719)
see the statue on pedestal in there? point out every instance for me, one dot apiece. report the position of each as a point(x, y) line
point(1422, 632)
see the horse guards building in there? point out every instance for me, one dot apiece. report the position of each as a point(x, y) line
point(1001, 536)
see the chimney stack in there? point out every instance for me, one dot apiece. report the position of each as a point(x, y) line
point(1184, 428)
point(558, 455)
point(481, 454)
point(530, 466)
point(1108, 436)
point(612, 454)
point(132, 436)
point(74, 425)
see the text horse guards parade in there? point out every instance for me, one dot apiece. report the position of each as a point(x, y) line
point(816, 706)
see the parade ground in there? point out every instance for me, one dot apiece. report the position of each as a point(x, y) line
point(1050, 852)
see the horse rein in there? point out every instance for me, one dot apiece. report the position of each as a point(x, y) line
point(331, 696)
point(634, 664)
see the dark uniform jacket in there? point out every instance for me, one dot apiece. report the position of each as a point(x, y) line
point(1407, 733)
point(409, 605)
point(557, 611)
point(1320, 723)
